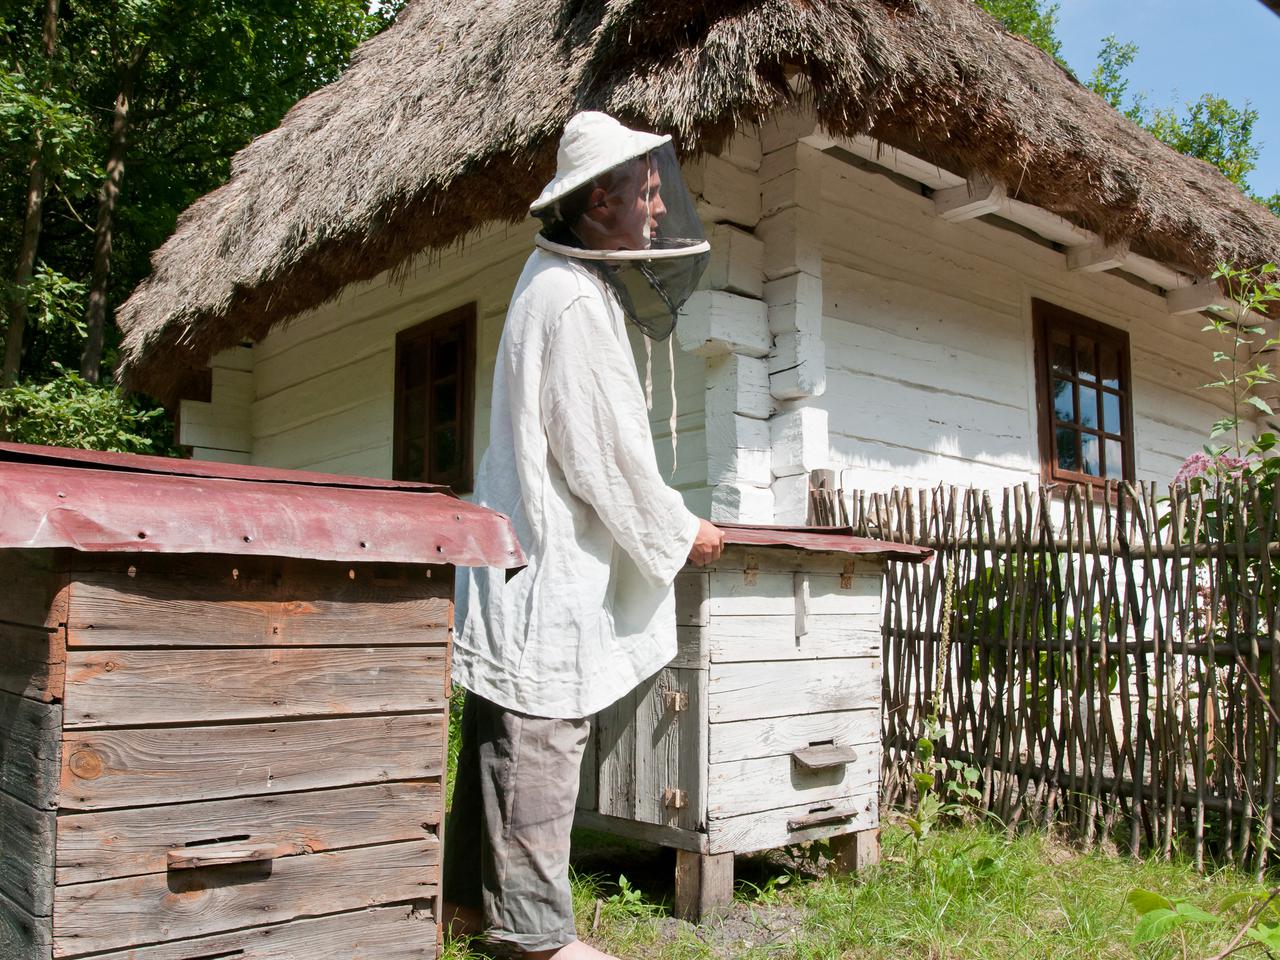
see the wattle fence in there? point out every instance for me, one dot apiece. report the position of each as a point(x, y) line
point(1102, 658)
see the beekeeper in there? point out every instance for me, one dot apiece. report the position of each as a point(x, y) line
point(571, 462)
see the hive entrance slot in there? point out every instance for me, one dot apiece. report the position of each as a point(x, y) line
point(227, 955)
point(821, 743)
point(237, 838)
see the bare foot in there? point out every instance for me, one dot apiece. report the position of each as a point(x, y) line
point(462, 921)
point(570, 951)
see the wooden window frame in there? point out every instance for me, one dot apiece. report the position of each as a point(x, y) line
point(1047, 317)
point(465, 318)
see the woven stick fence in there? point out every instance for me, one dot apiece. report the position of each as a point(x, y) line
point(1103, 661)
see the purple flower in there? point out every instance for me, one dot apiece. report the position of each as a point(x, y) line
point(1196, 465)
point(1201, 464)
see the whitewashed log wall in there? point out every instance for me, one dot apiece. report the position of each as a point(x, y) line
point(843, 322)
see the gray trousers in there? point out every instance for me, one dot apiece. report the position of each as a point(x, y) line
point(506, 841)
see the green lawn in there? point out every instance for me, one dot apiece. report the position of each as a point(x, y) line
point(965, 892)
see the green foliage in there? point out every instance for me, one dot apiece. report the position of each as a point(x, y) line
point(1254, 293)
point(208, 76)
point(1032, 19)
point(1108, 80)
point(68, 411)
point(55, 301)
point(1213, 130)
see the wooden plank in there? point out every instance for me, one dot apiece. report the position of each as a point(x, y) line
point(124, 767)
point(655, 833)
point(704, 884)
point(32, 661)
point(401, 932)
point(120, 687)
point(691, 588)
point(114, 914)
point(26, 855)
point(224, 601)
point(778, 736)
point(768, 829)
point(35, 588)
point(750, 786)
point(616, 755)
point(22, 936)
point(670, 744)
point(855, 853)
point(750, 691)
point(773, 637)
point(691, 648)
point(122, 843)
point(29, 750)
point(735, 594)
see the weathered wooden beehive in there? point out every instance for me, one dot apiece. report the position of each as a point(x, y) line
point(765, 729)
point(223, 708)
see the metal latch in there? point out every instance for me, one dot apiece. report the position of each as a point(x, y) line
point(676, 700)
point(751, 572)
point(674, 798)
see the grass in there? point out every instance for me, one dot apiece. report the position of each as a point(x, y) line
point(965, 892)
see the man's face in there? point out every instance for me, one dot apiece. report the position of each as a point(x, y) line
point(626, 217)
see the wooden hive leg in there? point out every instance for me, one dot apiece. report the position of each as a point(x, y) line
point(704, 884)
point(853, 853)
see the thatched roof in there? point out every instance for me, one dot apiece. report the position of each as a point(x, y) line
point(449, 120)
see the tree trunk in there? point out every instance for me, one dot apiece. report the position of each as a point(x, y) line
point(96, 314)
point(30, 229)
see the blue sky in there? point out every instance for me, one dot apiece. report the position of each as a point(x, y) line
point(1186, 48)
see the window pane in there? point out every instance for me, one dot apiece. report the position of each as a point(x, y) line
point(1089, 454)
point(445, 361)
point(414, 465)
point(1060, 351)
point(1064, 404)
point(1085, 363)
point(1115, 459)
point(1110, 368)
point(415, 414)
point(445, 401)
point(413, 364)
point(1088, 406)
point(444, 451)
point(1065, 444)
point(1110, 412)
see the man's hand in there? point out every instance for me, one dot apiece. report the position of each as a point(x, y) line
point(707, 545)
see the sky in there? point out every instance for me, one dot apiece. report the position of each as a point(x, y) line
point(1230, 48)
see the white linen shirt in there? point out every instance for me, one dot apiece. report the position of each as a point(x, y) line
point(571, 462)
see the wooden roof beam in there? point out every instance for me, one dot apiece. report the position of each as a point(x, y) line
point(1196, 298)
point(976, 198)
point(1097, 257)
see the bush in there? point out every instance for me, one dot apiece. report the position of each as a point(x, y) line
point(69, 411)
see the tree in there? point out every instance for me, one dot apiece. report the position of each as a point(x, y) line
point(165, 89)
point(1210, 128)
point(1028, 18)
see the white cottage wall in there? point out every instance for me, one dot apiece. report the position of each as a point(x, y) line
point(930, 352)
point(323, 385)
point(925, 329)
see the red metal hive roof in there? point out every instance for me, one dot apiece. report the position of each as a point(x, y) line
point(113, 502)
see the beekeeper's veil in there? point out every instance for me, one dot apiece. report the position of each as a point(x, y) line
point(620, 205)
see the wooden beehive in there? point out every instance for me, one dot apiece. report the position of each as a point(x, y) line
point(765, 729)
point(211, 755)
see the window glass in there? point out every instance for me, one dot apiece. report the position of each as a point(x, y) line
point(1083, 381)
point(1088, 407)
point(435, 385)
point(1064, 403)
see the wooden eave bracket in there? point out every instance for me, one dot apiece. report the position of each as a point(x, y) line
point(1097, 257)
point(1196, 298)
point(975, 198)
